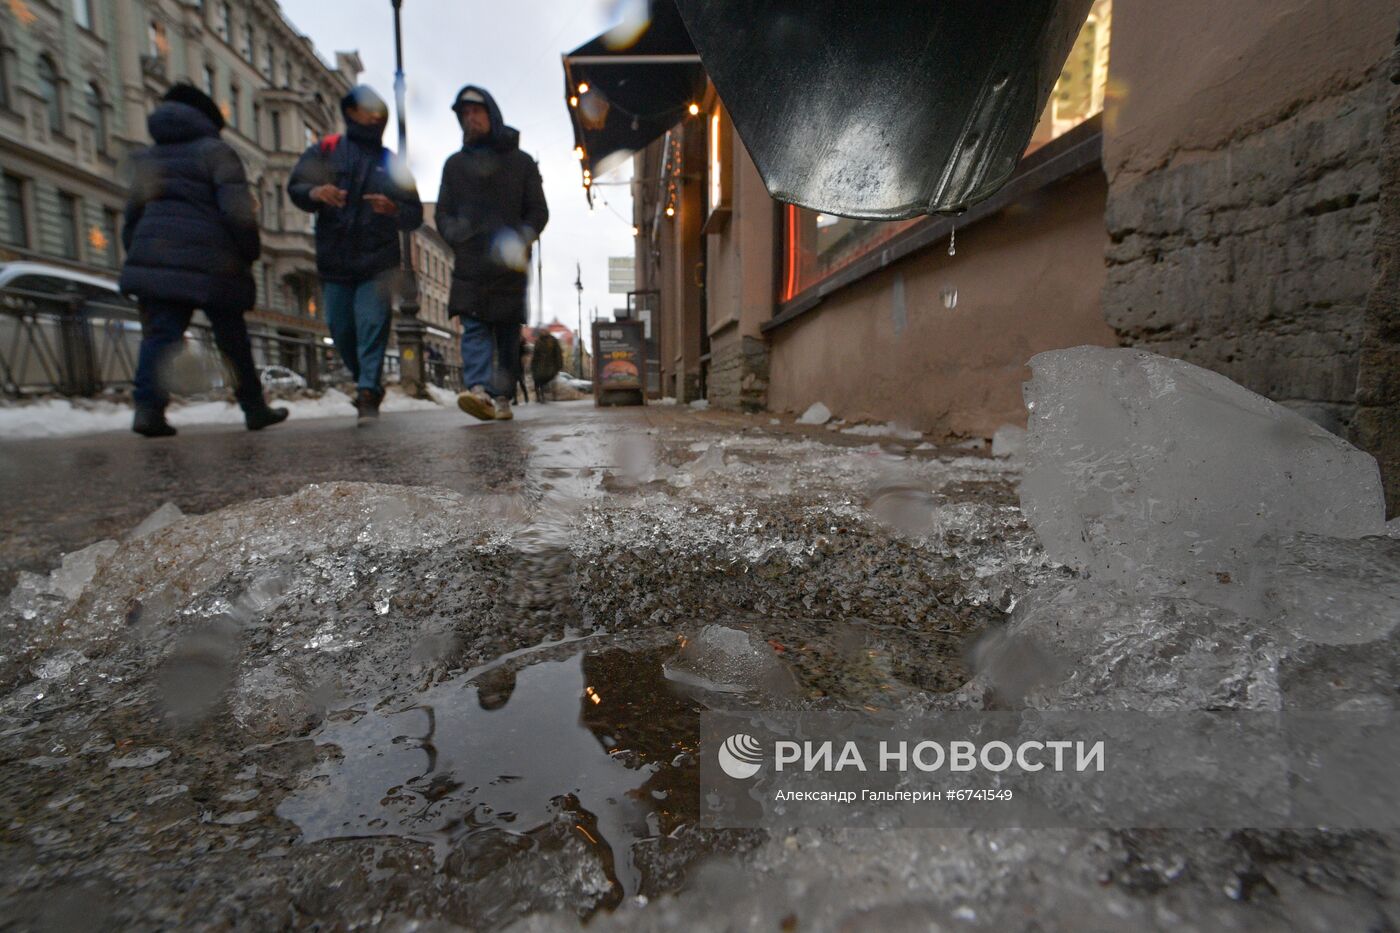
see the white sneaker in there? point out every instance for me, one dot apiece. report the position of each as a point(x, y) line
point(477, 403)
point(503, 412)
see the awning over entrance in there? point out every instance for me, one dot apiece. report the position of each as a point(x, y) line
point(629, 86)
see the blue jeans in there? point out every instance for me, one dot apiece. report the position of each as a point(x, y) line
point(357, 314)
point(490, 356)
point(163, 327)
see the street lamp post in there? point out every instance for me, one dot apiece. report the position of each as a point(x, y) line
point(408, 328)
point(578, 344)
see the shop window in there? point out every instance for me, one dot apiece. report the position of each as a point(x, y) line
point(817, 246)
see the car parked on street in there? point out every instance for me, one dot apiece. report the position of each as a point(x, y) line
point(281, 378)
point(574, 382)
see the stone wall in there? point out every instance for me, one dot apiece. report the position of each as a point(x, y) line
point(1378, 385)
point(738, 373)
point(1256, 259)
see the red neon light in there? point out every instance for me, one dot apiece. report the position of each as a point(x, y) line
point(790, 285)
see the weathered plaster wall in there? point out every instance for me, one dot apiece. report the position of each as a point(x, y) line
point(886, 348)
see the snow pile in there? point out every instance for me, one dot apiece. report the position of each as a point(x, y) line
point(1009, 441)
point(817, 413)
point(1231, 552)
point(66, 418)
point(889, 429)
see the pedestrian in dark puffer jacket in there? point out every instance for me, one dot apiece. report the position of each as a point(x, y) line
point(491, 209)
point(191, 237)
point(363, 199)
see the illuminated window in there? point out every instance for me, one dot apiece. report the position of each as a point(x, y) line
point(817, 246)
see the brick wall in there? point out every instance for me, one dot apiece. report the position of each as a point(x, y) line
point(1256, 258)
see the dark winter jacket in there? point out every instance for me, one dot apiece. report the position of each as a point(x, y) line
point(191, 230)
point(353, 243)
point(490, 210)
point(548, 359)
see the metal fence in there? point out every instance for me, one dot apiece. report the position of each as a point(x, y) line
point(80, 344)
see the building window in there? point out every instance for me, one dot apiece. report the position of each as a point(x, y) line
point(248, 42)
point(817, 246)
point(68, 225)
point(97, 111)
point(111, 231)
point(257, 123)
point(16, 212)
point(209, 80)
point(280, 205)
point(158, 44)
point(235, 106)
point(276, 117)
point(268, 55)
point(82, 13)
point(4, 74)
point(49, 92)
point(225, 22)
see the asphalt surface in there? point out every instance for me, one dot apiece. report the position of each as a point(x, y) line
point(62, 494)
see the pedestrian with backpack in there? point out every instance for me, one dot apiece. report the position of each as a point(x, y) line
point(191, 238)
point(364, 199)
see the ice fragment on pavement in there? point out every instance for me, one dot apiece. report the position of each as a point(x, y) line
point(1009, 441)
point(727, 660)
point(162, 517)
point(1162, 476)
point(78, 569)
point(700, 404)
point(141, 759)
point(817, 413)
point(711, 461)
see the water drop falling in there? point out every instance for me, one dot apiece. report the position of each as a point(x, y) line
point(950, 296)
point(953, 242)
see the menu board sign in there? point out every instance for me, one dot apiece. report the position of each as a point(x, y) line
point(619, 362)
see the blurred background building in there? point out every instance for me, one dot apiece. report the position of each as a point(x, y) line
point(78, 79)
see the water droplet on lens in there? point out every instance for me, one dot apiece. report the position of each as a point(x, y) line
point(950, 297)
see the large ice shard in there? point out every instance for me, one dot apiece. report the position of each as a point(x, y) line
point(1165, 478)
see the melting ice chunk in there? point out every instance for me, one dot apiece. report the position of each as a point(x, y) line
point(1163, 477)
point(816, 414)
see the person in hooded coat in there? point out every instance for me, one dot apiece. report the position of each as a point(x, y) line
point(547, 362)
point(191, 238)
point(364, 200)
point(491, 209)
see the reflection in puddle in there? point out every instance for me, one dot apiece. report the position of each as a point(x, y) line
point(596, 740)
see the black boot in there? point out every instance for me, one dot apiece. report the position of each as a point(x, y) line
point(367, 402)
point(150, 422)
point(264, 417)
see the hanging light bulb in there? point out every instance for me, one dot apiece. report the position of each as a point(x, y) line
point(694, 109)
point(573, 101)
point(578, 153)
point(670, 211)
point(636, 230)
point(583, 87)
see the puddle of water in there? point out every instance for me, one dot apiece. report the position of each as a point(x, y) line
point(596, 739)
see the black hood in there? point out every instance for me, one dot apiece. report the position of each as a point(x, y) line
point(173, 122)
point(502, 136)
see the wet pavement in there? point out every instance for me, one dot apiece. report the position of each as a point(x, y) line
point(435, 668)
point(435, 675)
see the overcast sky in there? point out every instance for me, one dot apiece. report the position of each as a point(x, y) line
point(512, 49)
